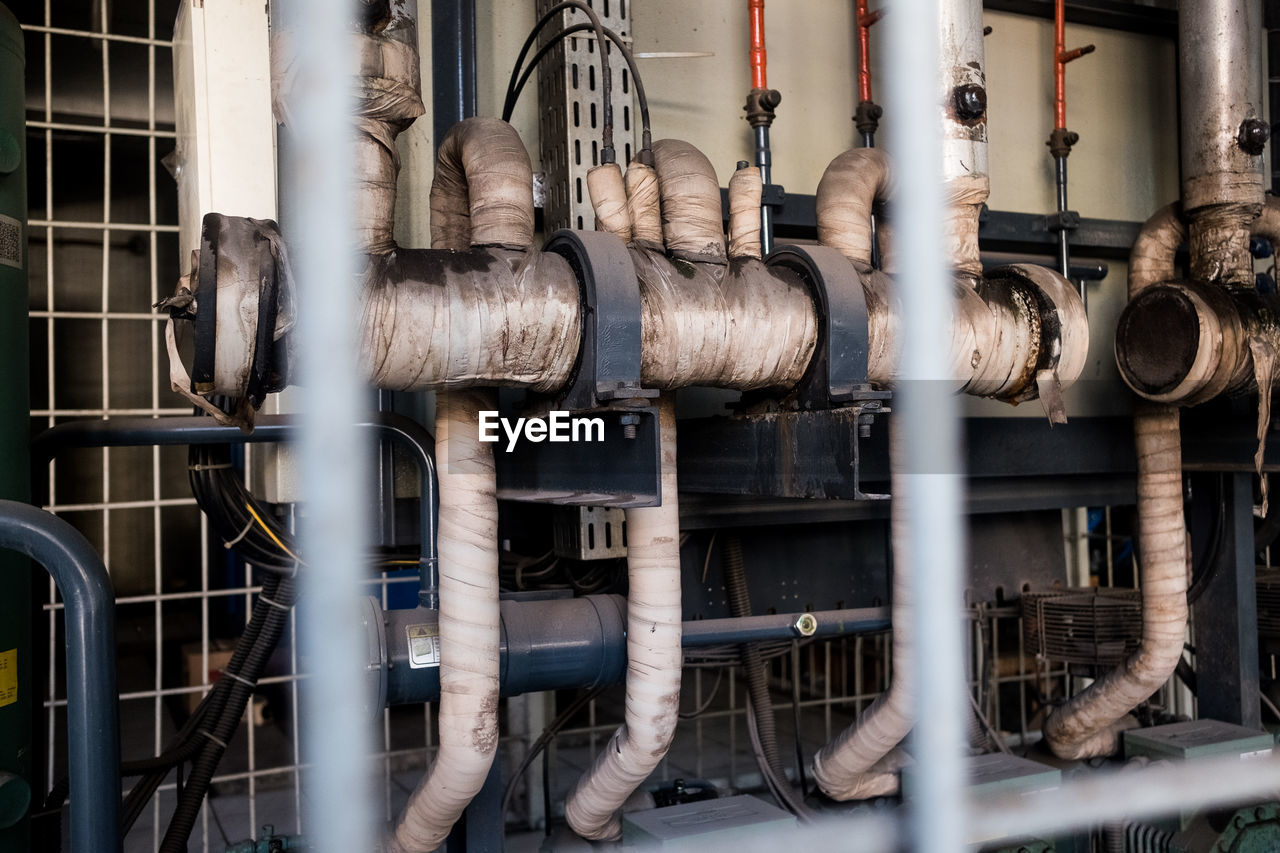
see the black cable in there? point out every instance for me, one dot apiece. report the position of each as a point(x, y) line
point(1204, 573)
point(218, 732)
point(553, 728)
point(606, 75)
point(513, 92)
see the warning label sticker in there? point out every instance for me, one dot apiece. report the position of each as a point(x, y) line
point(11, 241)
point(424, 646)
point(8, 677)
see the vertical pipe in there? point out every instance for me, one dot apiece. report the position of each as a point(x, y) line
point(926, 407)
point(1223, 133)
point(764, 162)
point(453, 69)
point(759, 74)
point(335, 739)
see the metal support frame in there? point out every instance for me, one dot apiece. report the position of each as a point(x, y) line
point(453, 64)
point(1226, 619)
point(93, 715)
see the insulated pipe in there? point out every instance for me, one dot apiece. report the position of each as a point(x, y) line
point(745, 192)
point(861, 761)
point(1223, 133)
point(851, 187)
point(482, 193)
point(962, 100)
point(1089, 724)
point(609, 198)
point(644, 205)
point(741, 326)
point(654, 657)
point(93, 722)
point(469, 626)
point(690, 195)
point(493, 316)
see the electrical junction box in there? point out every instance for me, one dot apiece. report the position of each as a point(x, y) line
point(1197, 739)
point(704, 825)
point(997, 772)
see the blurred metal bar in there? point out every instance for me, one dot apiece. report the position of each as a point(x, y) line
point(335, 738)
point(1099, 796)
point(918, 46)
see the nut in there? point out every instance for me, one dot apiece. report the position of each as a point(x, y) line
point(806, 625)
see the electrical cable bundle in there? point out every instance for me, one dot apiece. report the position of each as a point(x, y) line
point(516, 83)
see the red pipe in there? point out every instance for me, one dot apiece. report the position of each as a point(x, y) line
point(1061, 56)
point(865, 19)
point(755, 11)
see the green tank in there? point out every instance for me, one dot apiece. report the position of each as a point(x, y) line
point(17, 701)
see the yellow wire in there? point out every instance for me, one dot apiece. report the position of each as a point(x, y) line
point(271, 533)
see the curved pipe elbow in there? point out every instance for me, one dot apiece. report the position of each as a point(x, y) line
point(853, 184)
point(690, 197)
point(470, 663)
point(482, 193)
point(655, 658)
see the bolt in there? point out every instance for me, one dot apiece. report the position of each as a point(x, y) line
point(806, 625)
point(629, 425)
point(970, 102)
point(1253, 136)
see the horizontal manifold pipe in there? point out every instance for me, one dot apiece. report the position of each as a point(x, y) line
point(564, 643)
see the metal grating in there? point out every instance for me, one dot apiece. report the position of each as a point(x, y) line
point(1084, 626)
point(1268, 585)
point(570, 123)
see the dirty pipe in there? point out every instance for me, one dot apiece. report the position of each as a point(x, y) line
point(862, 761)
point(469, 626)
point(654, 657)
point(962, 99)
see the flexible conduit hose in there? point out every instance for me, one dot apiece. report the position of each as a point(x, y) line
point(227, 707)
point(770, 761)
point(859, 763)
point(654, 657)
point(469, 626)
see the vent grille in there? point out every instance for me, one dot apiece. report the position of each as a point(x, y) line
point(1083, 626)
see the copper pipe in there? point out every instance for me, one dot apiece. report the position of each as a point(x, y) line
point(866, 19)
point(755, 11)
point(1061, 56)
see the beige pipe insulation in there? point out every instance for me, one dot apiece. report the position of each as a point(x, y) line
point(469, 626)
point(654, 657)
point(482, 193)
point(609, 198)
point(852, 184)
point(746, 190)
point(1089, 724)
point(690, 195)
point(862, 761)
point(644, 205)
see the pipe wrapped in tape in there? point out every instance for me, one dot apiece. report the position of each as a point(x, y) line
point(861, 762)
point(965, 197)
point(1089, 724)
point(482, 194)
point(852, 185)
point(655, 658)
point(644, 205)
point(741, 326)
point(690, 192)
point(745, 193)
point(609, 200)
point(470, 664)
point(436, 319)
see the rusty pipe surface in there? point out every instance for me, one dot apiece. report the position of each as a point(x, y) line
point(962, 104)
